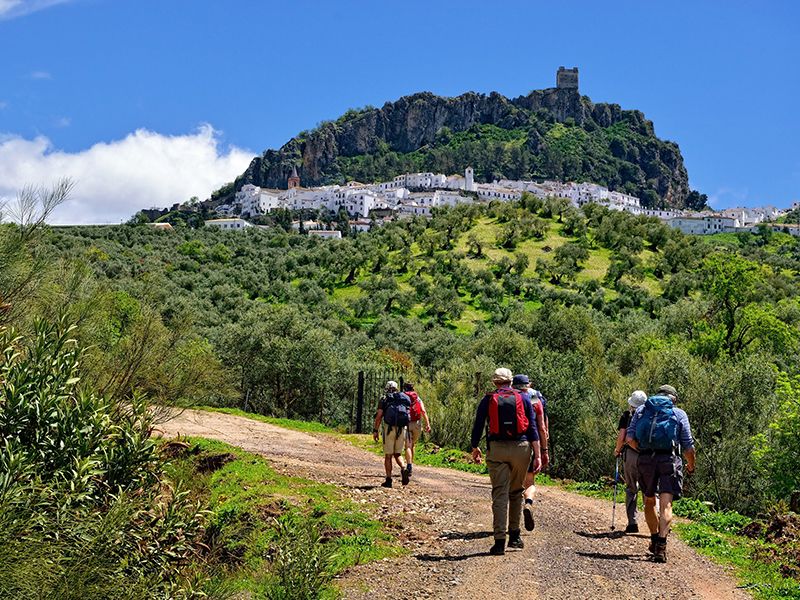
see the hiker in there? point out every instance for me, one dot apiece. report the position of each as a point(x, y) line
point(660, 431)
point(522, 383)
point(394, 412)
point(630, 460)
point(510, 437)
point(416, 415)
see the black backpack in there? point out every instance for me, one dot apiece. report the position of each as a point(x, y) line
point(397, 409)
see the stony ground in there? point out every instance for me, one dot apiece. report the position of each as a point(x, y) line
point(443, 517)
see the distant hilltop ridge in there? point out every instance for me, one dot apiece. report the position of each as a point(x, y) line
point(554, 133)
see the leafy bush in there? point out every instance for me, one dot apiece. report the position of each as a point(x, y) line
point(84, 512)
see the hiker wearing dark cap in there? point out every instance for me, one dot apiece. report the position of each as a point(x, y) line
point(660, 431)
point(417, 413)
point(630, 460)
point(523, 384)
point(510, 437)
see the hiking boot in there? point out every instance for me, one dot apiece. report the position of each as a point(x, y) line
point(404, 474)
point(632, 528)
point(527, 515)
point(408, 468)
point(499, 548)
point(653, 541)
point(660, 552)
point(387, 483)
point(515, 540)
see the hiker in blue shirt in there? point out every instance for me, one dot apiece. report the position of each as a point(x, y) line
point(660, 431)
point(510, 438)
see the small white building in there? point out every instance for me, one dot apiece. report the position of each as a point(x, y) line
point(228, 224)
point(325, 234)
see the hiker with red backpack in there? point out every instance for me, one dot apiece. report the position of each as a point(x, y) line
point(511, 436)
point(416, 414)
point(394, 411)
point(660, 431)
point(522, 383)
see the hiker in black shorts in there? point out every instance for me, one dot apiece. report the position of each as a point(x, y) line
point(660, 431)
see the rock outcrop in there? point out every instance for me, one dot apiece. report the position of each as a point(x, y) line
point(628, 157)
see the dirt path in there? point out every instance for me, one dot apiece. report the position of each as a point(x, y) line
point(444, 518)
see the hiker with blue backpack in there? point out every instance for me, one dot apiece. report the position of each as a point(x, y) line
point(660, 432)
point(510, 438)
point(394, 411)
point(522, 383)
point(630, 460)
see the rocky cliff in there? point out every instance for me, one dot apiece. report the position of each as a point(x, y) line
point(552, 133)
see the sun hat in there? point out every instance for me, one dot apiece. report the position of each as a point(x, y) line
point(637, 398)
point(391, 385)
point(668, 389)
point(520, 380)
point(502, 375)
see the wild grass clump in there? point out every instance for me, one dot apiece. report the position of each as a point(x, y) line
point(84, 510)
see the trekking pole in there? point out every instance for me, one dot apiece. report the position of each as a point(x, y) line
point(616, 481)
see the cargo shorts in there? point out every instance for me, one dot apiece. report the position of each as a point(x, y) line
point(660, 474)
point(394, 439)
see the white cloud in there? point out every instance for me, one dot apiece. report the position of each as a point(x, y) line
point(11, 9)
point(113, 180)
point(40, 74)
point(63, 122)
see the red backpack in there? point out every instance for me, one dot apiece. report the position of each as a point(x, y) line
point(416, 408)
point(507, 418)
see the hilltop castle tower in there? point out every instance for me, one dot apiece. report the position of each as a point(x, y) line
point(294, 180)
point(469, 176)
point(567, 79)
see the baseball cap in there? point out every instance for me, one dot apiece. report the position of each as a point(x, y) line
point(521, 380)
point(502, 374)
point(668, 389)
point(391, 385)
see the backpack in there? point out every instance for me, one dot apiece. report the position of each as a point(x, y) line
point(657, 427)
point(396, 409)
point(415, 412)
point(507, 418)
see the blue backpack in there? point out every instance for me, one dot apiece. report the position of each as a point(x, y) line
point(657, 427)
point(397, 412)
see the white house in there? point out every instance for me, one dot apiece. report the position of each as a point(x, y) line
point(228, 224)
point(325, 234)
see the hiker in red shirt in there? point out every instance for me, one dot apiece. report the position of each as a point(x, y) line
point(414, 430)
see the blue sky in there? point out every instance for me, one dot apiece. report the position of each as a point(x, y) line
point(147, 102)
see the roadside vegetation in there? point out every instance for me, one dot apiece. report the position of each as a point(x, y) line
point(592, 305)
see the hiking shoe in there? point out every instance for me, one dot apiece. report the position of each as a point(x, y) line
point(387, 483)
point(660, 552)
point(515, 540)
point(632, 528)
point(527, 515)
point(653, 541)
point(499, 548)
point(404, 474)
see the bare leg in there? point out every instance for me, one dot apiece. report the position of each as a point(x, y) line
point(387, 463)
point(650, 514)
point(665, 521)
point(410, 450)
point(530, 486)
point(401, 463)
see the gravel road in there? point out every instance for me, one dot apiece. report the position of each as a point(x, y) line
point(443, 517)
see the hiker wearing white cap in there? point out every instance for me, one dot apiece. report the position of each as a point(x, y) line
point(394, 411)
point(660, 431)
point(510, 438)
point(630, 458)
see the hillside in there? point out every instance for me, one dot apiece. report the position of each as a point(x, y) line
point(550, 134)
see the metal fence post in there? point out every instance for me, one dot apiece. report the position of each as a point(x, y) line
point(360, 404)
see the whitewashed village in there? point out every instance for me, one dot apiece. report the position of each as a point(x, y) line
point(418, 194)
